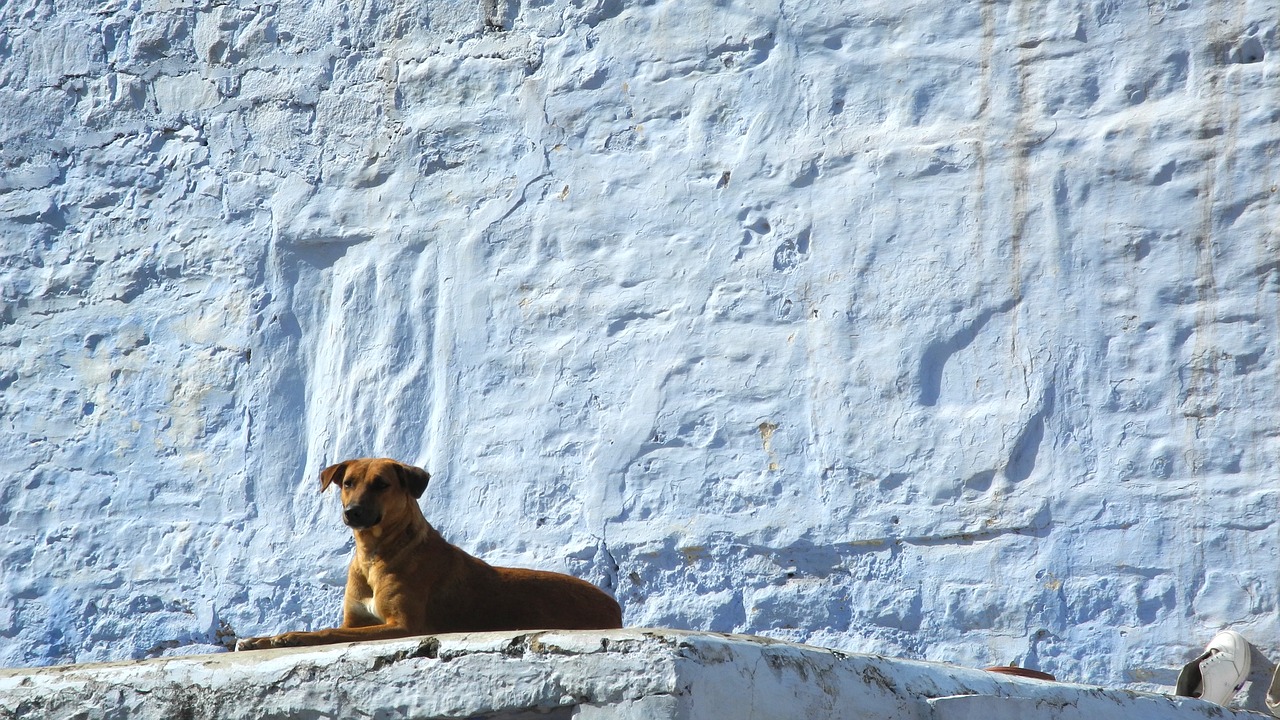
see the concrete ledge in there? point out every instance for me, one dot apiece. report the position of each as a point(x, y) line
point(620, 674)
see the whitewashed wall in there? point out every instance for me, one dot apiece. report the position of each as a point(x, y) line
point(941, 330)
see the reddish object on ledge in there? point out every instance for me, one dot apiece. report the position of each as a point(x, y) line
point(1021, 672)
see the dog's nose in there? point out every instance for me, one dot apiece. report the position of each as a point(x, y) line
point(359, 516)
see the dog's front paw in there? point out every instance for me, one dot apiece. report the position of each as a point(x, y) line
point(257, 643)
point(290, 639)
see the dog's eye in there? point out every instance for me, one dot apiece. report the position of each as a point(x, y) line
point(380, 485)
point(348, 483)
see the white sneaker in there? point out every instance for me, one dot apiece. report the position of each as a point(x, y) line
point(1220, 672)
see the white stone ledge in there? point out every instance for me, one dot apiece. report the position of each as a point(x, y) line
point(634, 673)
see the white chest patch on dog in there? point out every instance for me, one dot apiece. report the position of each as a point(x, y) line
point(368, 608)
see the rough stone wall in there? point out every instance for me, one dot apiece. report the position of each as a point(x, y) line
point(942, 330)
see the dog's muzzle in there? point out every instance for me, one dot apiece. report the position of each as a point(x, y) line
point(360, 517)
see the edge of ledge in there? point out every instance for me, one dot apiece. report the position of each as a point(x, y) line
point(625, 673)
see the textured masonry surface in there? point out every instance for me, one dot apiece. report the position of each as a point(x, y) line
point(623, 674)
point(938, 330)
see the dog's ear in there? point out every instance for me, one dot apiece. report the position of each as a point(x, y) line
point(333, 474)
point(414, 479)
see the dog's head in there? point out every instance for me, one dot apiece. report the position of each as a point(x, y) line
point(374, 489)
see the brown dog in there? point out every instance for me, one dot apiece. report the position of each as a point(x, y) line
point(405, 579)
